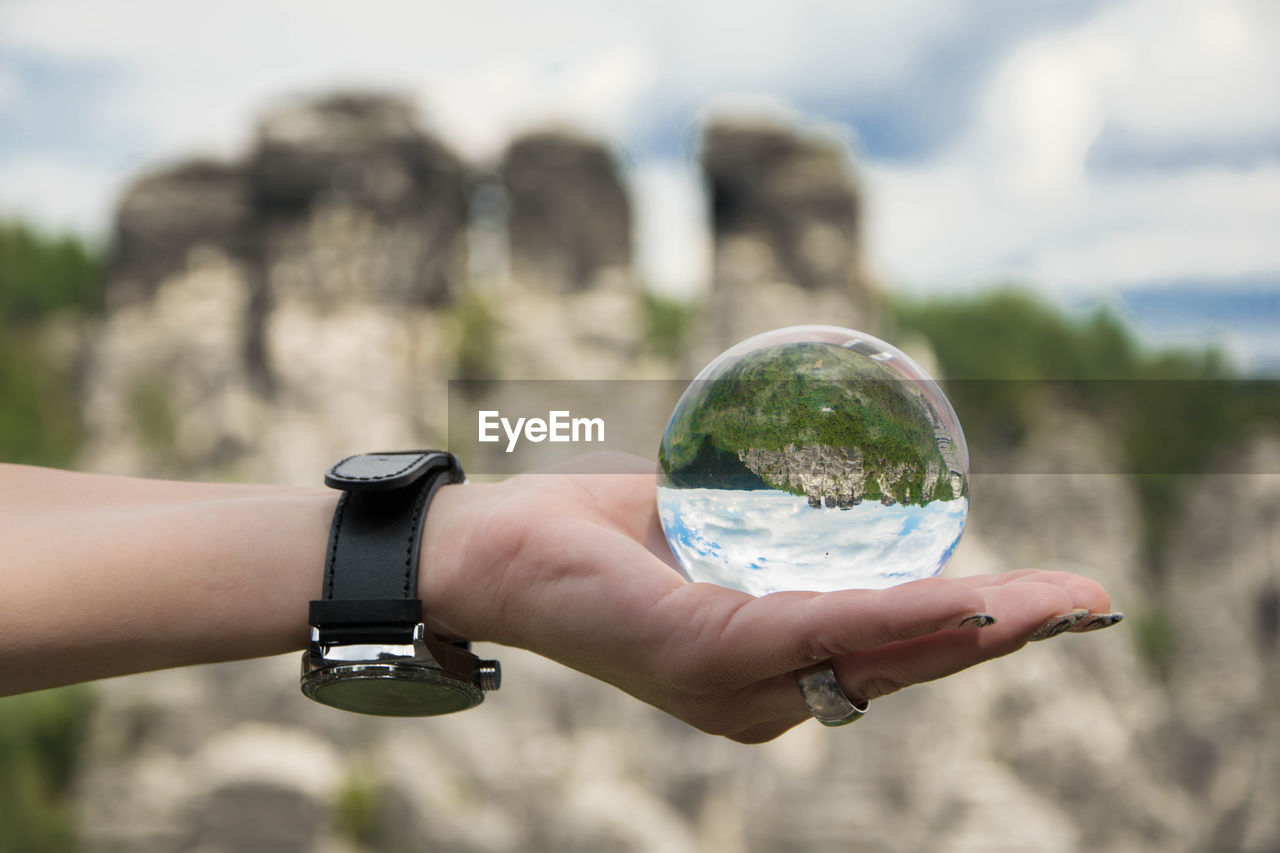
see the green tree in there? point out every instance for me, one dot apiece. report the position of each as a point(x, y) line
point(1009, 354)
point(667, 323)
point(943, 491)
point(41, 278)
point(42, 275)
point(41, 735)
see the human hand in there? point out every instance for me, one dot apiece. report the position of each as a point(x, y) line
point(575, 567)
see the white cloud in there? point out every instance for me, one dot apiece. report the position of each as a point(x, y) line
point(672, 234)
point(1011, 195)
point(196, 77)
point(479, 110)
point(189, 80)
point(9, 88)
point(57, 196)
point(944, 226)
point(767, 541)
point(1013, 198)
point(1199, 70)
point(796, 47)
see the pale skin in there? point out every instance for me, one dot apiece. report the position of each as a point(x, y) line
point(105, 576)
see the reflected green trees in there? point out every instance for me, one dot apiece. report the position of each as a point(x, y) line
point(782, 415)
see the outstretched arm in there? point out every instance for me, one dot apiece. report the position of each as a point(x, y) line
point(109, 575)
point(103, 575)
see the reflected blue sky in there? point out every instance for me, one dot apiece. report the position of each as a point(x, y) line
point(766, 541)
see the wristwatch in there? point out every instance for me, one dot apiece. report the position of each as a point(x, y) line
point(370, 651)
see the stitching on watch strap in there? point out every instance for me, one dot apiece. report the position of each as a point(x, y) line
point(333, 544)
point(387, 476)
point(415, 528)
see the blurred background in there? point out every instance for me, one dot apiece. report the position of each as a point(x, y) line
point(226, 228)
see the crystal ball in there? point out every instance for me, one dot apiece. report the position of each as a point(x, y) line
point(813, 458)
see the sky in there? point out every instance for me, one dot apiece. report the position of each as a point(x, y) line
point(1083, 148)
point(783, 543)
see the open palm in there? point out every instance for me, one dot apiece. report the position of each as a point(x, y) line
point(574, 566)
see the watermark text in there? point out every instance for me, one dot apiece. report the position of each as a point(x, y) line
point(558, 426)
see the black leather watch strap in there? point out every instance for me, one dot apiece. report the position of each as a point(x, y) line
point(370, 591)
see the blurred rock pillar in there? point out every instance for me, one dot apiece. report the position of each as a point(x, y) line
point(572, 309)
point(786, 217)
point(570, 219)
point(364, 226)
point(271, 312)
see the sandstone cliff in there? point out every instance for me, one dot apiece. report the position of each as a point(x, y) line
point(1075, 743)
point(786, 215)
point(821, 473)
point(570, 220)
point(837, 476)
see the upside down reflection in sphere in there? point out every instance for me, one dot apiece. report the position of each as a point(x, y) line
point(815, 458)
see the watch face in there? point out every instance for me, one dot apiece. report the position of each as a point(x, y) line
point(394, 690)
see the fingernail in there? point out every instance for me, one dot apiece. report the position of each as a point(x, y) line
point(1055, 626)
point(977, 620)
point(1100, 620)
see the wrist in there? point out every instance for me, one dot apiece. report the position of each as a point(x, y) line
point(370, 651)
point(454, 562)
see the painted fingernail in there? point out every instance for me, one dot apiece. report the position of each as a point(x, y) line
point(1099, 620)
point(1055, 626)
point(977, 620)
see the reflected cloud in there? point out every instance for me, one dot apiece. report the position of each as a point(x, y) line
point(766, 541)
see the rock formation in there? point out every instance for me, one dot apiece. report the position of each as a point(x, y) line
point(786, 219)
point(170, 213)
point(256, 306)
point(837, 476)
point(324, 274)
point(361, 155)
point(570, 221)
point(307, 278)
point(1224, 577)
point(787, 197)
point(355, 172)
point(833, 474)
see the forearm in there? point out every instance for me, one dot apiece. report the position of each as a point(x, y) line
point(104, 576)
point(108, 575)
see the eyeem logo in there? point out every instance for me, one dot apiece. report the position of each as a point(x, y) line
point(559, 426)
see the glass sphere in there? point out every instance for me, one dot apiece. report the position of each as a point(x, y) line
point(813, 458)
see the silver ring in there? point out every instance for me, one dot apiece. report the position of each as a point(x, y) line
point(827, 701)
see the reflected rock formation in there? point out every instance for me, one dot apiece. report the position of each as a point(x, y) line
point(816, 458)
